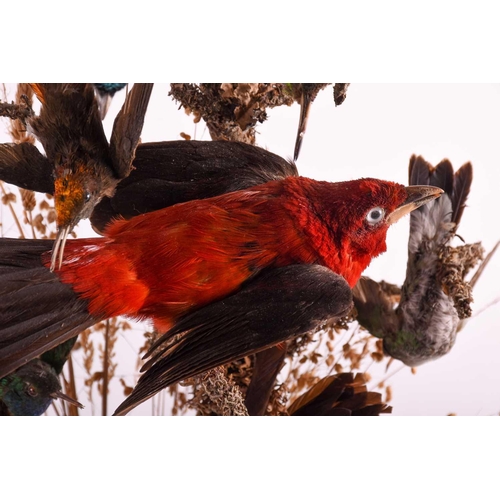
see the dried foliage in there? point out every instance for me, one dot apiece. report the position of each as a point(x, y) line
point(17, 129)
point(216, 394)
point(456, 262)
point(88, 359)
point(230, 110)
point(308, 90)
point(340, 93)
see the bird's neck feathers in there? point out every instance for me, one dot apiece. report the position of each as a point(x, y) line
point(431, 223)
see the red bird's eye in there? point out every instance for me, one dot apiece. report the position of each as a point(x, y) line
point(375, 215)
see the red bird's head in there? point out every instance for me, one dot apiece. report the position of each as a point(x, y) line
point(358, 214)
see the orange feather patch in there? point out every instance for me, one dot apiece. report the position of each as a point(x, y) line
point(39, 92)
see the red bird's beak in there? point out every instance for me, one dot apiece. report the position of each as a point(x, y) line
point(417, 196)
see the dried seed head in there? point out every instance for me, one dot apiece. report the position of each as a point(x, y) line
point(28, 199)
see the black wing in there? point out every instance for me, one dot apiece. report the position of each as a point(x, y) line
point(278, 305)
point(127, 128)
point(24, 166)
point(167, 173)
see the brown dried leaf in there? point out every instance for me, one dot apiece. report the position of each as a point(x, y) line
point(8, 198)
point(127, 390)
point(388, 393)
point(51, 216)
point(38, 224)
point(44, 205)
point(28, 199)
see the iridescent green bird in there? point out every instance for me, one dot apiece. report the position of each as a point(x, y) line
point(30, 390)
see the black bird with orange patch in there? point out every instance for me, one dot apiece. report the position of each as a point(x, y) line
point(83, 165)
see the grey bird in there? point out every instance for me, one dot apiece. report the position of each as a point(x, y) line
point(435, 298)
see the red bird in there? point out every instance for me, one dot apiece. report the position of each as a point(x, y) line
point(233, 274)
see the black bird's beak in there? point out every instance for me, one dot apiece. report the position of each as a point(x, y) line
point(71, 401)
point(104, 103)
point(305, 106)
point(417, 196)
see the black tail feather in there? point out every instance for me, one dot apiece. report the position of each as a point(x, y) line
point(461, 189)
point(37, 311)
point(422, 173)
point(455, 185)
point(418, 171)
point(442, 176)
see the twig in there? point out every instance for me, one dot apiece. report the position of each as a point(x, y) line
point(71, 385)
point(105, 369)
point(492, 303)
point(54, 406)
point(16, 111)
point(384, 380)
point(13, 212)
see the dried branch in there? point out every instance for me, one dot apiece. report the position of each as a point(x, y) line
point(230, 110)
point(21, 111)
